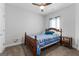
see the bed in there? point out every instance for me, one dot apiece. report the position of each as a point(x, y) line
point(38, 42)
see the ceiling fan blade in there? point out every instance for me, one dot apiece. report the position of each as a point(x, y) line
point(47, 4)
point(39, 4)
point(36, 4)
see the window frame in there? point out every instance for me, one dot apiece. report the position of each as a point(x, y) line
point(56, 22)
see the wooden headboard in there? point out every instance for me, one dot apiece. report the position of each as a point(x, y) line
point(57, 30)
point(49, 29)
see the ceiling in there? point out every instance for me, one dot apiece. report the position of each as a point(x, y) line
point(48, 9)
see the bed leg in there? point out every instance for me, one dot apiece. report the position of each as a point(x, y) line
point(38, 50)
point(25, 38)
point(37, 47)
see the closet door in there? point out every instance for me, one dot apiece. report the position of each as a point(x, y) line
point(2, 27)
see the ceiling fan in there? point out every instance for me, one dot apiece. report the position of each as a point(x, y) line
point(41, 5)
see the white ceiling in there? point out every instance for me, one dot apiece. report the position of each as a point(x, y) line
point(48, 9)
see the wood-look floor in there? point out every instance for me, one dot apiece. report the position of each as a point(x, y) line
point(21, 50)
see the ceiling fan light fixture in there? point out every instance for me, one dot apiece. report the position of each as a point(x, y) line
point(42, 7)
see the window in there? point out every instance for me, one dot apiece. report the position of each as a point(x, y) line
point(54, 22)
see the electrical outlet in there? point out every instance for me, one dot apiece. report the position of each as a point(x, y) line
point(16, 40)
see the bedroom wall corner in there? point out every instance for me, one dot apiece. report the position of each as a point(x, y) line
point(77, 26)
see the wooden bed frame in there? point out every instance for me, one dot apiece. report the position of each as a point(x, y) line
point(32, 43)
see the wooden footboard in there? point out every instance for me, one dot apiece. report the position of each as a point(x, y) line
point(31, 43)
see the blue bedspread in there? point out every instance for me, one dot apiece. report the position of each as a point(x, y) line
point(44, 39)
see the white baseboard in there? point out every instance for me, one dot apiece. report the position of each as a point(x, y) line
point(14, 44)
